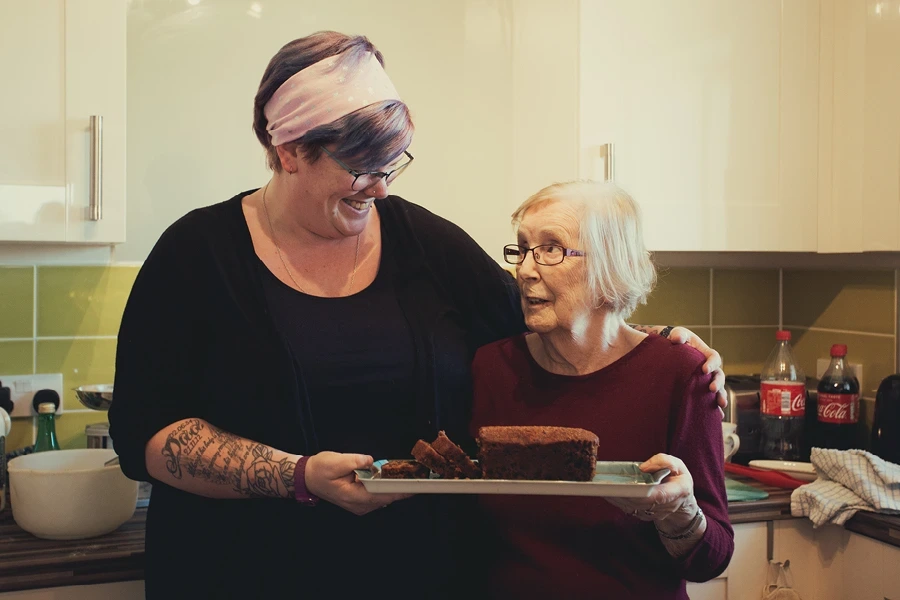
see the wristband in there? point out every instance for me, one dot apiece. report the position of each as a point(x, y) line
point(691, 528)
point(303, 495)
point(666, 331)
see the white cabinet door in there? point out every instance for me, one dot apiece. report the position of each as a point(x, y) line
point(859, 206)
point(61, 61)
point(32, 120)
point(712, 108)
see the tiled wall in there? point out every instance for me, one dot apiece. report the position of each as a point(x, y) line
point(62, 320)
point(737, 311)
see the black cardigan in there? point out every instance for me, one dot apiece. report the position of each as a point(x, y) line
point(196, 340)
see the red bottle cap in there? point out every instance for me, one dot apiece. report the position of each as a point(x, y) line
point(839, 350)
point(782, 336)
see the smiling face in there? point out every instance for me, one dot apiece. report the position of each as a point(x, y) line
point(553, 297)
point(327, 202)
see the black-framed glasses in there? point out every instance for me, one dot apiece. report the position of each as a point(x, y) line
point(366, 179)
point(546, 254)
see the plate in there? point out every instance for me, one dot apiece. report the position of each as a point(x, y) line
point(798, 470)
point(611, 480)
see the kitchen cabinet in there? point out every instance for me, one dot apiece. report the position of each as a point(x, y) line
point(859, 207)
point(708, 112)
point(831, 563)
point(746, 573)
point(62, 62)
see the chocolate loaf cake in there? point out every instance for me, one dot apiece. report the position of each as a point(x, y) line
point(404, 469)
point(431, 458)
point(454, 455)
point(537, 452)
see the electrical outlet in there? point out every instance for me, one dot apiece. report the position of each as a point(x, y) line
point(23, 387)
point(857, 368)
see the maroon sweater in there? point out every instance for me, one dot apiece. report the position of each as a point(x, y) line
point(654, 399)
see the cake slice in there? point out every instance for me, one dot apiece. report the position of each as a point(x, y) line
point(454, 455)
point(537, 452)
point(431, 458)
point(404, 469)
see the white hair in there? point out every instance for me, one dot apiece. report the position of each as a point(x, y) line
point(620, 273)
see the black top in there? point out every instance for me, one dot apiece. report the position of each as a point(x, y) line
point(364, 361)
point(198, 339)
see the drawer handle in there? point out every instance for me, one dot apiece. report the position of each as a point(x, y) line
point(96, 167)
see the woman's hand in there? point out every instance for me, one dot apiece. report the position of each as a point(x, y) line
point(330, 476)
point(713, 364)
point(671, 505)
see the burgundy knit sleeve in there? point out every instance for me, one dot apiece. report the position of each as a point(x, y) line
point(696, 438)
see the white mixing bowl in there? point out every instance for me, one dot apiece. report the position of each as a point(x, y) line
point(69, 494)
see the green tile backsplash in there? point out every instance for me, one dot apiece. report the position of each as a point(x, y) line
point(744, 350)
point(82, 301)
point(681, 297)
point(876, 354)
point(81, 362)
point(16, 358)
point(745, 297)
point(17, 302)
point(78, 310)
point(849, 300)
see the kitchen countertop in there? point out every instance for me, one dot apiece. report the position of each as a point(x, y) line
point(27, 562)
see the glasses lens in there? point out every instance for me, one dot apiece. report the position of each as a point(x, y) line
point(365, 180)
point(512, 254)
point(548, 255)
point(396, 173)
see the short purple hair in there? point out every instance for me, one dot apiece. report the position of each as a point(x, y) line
point(368, 138)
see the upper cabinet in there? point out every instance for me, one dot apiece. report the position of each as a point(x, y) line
point(707, 113)
point(859, 181)
point(62, 121)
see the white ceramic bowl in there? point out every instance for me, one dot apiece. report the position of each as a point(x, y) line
point(69, 494)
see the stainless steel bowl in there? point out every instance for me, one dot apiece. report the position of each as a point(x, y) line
point(97, 397)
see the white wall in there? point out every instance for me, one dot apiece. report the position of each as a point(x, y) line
point(193, 72)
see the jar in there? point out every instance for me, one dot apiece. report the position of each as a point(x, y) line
point(98, 436)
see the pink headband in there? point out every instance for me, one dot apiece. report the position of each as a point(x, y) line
point(323, 93)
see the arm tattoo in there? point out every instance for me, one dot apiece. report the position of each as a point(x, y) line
point(209, 453)
point(644, 328)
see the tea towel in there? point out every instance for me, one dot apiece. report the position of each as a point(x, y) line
point(849, 481)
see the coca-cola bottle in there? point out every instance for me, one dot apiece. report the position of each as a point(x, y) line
point(838, 404)
point(782, 402)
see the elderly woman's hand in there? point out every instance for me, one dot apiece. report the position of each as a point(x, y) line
point(713, 364)
point(672, 504)
point(331, 477)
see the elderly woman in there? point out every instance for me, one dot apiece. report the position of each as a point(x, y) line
point(275, 342)
point(582, 268)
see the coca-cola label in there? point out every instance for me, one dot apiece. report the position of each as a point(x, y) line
point(782, 398)
point(838, 408)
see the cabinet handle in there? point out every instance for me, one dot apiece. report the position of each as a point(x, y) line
point(609, 167)
point(96, 167)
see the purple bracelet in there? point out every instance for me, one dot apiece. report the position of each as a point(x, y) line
point(303, 495)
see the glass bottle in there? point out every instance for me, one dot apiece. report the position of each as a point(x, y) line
point(46, 435)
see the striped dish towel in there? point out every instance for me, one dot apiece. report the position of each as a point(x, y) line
point(849, 481)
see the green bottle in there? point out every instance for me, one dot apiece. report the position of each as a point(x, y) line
point(46, 435)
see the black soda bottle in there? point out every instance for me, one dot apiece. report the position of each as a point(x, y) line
point(837, 412)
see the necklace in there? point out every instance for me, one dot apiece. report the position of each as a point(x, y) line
point(281, 257)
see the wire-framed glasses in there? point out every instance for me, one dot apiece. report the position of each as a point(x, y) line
point(546, 254)
point(366, 179)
